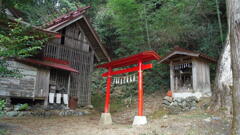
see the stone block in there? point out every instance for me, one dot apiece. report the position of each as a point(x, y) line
point(105, 119)
point(139, 120)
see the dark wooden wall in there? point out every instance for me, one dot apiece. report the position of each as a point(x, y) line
point(76, 50)
point(59, 78)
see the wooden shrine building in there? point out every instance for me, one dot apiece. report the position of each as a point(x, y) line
point(64, 65)
point(189, 71)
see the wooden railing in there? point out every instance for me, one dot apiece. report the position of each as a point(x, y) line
point(59, 51)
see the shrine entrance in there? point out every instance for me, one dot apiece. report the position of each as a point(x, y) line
point(139, 59)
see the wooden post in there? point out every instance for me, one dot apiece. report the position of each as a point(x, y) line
point(47, 89)
point(140, 89)
point(108, 87)
point(69, 86)
point(172, 79)
point(194, 75)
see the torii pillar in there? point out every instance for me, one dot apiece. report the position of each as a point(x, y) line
point(106, 118)
point(140, 119)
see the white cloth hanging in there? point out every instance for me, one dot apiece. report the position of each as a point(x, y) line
point(59, 95)
point(134, 78)
point(51, 98)
point(130, 80)
point(65, 99)
point(124, 80)
point(117, 80)
point(114, 80)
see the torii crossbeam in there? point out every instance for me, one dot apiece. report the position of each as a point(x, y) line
point(127, 61)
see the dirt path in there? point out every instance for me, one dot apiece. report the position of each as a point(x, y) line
point(192, 123)
point(195, 122)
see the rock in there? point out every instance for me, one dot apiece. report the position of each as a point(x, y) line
point(81, 113)
point(174, 104)
point(165, 102)
point(208, 119)
point(216, 118)
point(86, 112)
point(179, 104)
point(20, 114)
point(12, 114)
point(174, 110)
point(165, 117)
point(169, 99)
point(194, 103)
point(179, 100)
point(184, 104)
point(7, 109)
point(89, 106)
point(193, 108)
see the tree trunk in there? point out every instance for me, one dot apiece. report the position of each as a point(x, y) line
point(233, 7)
point(222, 95)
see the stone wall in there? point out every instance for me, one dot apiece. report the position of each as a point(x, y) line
point(176, 105)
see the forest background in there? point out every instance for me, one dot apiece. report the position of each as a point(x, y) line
point(128, 27)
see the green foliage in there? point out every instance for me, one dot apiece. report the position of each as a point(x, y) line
point(98, 101)
point(40, 12)
point(98, 82)
point(2, 105)
point(130, 26)
point(158, 114)
point(6, 72)
point(4, 132)
point(127, 18)
point(18, 41)
point(21, 107)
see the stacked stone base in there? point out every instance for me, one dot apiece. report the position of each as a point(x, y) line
point(177, 105)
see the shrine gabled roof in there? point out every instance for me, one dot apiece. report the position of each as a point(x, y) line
point(70, 17)
point(78, 15)
point(181, 51)
point(130, 60)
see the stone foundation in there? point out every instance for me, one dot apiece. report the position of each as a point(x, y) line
point(176, 105)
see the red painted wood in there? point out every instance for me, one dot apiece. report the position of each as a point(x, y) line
point(108, 87)
point(49, 64)
point(144, 67)
point(144, 57)
point(64, 62)
point(58, 36)
point(140, 89)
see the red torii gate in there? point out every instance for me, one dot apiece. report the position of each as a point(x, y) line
point(134, 59)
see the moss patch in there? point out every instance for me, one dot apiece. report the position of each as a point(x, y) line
point(116, 104)
point(158, 114)
point(4, 132)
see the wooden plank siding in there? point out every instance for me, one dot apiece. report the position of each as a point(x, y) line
point(75, 50)
point(171, 77)
point(18, 87)
point(42, 83)
point(201, 77)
